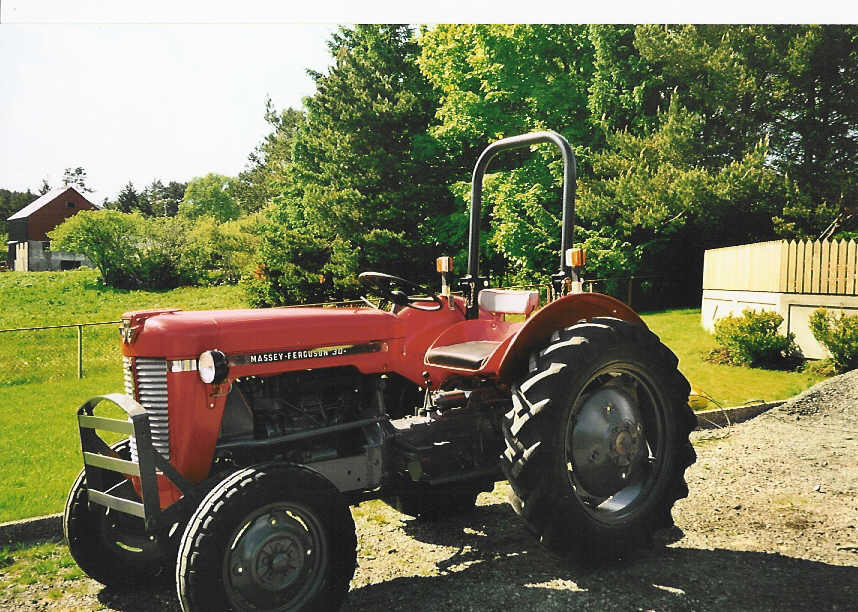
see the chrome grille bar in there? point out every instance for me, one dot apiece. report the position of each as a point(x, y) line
point(146, 381)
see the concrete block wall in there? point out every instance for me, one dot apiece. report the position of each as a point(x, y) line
point(795, 308)
point(32, 256)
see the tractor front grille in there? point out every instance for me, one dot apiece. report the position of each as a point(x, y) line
point(146, 382)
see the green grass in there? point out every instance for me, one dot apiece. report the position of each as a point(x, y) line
point(34, 299)
point(39, 391)
point(729, 385)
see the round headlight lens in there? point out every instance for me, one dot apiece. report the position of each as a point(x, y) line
point(213, 366)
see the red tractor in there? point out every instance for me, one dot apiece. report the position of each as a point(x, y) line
point(250, 432)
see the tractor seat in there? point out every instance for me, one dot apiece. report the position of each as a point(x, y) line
point(469, 355)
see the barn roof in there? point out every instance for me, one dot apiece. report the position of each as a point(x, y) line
point(44, 200)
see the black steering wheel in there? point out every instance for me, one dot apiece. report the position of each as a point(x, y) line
point(391, 288)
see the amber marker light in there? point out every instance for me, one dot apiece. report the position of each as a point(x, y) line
point(575, 257)
point(444, 264)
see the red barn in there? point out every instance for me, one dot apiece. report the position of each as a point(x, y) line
point(28, 228)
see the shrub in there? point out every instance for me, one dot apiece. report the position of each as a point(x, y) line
point(839, 334)
point(216, 253)
point(296, 267)
point(753, 339)
point(109, 238)
point(133, 252)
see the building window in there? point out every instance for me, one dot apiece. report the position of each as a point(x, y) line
point(69, 204)
point(67, 264)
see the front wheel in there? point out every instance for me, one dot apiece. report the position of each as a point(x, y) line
point(270, 537)
point(110, 546)
point(597, 439)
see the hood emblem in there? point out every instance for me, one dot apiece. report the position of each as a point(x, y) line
point(127, 331)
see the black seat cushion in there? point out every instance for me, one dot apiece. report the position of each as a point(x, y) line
point(470, 355)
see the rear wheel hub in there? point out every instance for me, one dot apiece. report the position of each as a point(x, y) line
point(607, 440)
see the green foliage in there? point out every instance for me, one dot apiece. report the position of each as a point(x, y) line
point(268, 176)
point(210, 196)
point(626, 92)
point(501, 80)
point(162, 200)
point(134, 252)
point(11, 202)
point(651, 192)
point(688, 137)
point(363, 177)
point(76, 177)
point(753, 339)
point(300, 267)
point(214, 253)
point(110, 239)
point(127, 200)
point(839, 334)
point(156, 199)
point(795, 85)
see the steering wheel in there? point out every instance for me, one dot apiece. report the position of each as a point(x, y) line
point(391, 288)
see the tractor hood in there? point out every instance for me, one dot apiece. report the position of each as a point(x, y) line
point(175, 334)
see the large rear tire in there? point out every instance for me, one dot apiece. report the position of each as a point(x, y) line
point(597, 439)
point(270, 537)
point(112, 547)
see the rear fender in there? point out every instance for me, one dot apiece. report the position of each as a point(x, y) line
point(559, 314)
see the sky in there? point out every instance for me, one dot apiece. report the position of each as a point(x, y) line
point(135, 91)
point(135, 102)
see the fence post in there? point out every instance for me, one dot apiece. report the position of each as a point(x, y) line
point(80, 351)
point(629, 300)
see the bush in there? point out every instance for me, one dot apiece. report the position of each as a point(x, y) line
point(753, 340)
point(296, 267)
point(839, 334)
point(134, 252)
point(217, 253)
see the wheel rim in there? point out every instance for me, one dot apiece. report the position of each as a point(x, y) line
point(276, 558)
point(615, 442)
point(123, 534)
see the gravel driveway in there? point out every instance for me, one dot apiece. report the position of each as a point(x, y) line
point(771, 523)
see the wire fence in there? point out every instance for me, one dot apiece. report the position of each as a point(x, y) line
point(78, 326)
point(43, 359)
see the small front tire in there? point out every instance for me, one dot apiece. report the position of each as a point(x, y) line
point(112, 547)
point(269, 537)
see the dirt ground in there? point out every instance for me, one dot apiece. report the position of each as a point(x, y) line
point(771, 523)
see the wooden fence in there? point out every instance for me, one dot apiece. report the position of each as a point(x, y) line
point(781, 266)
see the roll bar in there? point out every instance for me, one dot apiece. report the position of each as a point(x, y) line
point(472, 281)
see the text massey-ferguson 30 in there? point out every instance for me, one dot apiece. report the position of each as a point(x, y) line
point(250, 432)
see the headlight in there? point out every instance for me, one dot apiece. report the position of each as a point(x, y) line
point(213, 366)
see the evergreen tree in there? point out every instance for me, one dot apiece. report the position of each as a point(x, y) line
point(365, 176)
point(267, 174)
point(76, 177)
point(128, 199)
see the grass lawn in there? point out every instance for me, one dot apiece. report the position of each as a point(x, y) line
point(729, 385)
point(39, 391)
point(34, 299)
